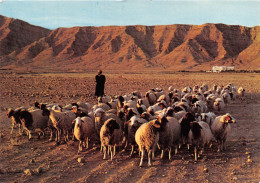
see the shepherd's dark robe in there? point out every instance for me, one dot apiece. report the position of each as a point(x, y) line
point(100, 85)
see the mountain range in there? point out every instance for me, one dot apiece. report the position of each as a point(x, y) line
point(167, 47)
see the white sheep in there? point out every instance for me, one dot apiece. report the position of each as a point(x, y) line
point(151, 97)
point(200, 107)
point(199, 135)
point(219, 104)
point(221, 128)
point(143, 101)
point(130, 129)
point(226, 97)
point(147, 136)
point(33, 121)
point(241, 92)
point(208, 117)
point(61, 121)
point(83, 129)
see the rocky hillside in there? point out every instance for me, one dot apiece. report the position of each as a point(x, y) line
point(173, 47)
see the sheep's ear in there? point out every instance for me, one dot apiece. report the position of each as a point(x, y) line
point(156, 124)
point(227, 119)
point(74, 121)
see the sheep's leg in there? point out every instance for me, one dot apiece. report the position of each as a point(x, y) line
point(12, 129)
point(51, 136)
point(20, 129)
point(153, 154)
point(132, 151)
point(30, 134)
point(105, 151)
point(111, 152)
point(176, 150)
point(80, 146)
point(188, 146)
point(67, 135)
point(142, 158)
point(219, 145)
point(162, 152)
point(150, 152)
point(196, 153)
point(170, 152)
point(223, 145)
point(57, 134)
point(114, 153)
point(87, 143)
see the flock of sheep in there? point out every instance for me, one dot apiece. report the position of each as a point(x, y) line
point(161, 119)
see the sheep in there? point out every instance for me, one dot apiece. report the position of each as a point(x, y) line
point(169, 135)
point(151, 97)
point(165, 98)
point(143, 101)
point(208, 117)
point(61, 121)
point(14, 115)
point(156, 107)
point(110, 136)
point(137, 93)
point(130, 129)
point(211, 99)
point(83, 129)
point(221, 128)
point(226, 97)
point(199, 135)
point(185, 126)
point(104, 106)
point(104, 99)
point(171, 88)
point(147, 136)
point(120, 102)
point(219, 104)
point(199, 107)
point(33, 121)
point(100, 117)
point(241, 93)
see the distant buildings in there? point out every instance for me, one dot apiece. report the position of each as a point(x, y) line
point(222, 68)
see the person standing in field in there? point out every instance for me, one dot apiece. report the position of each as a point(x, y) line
point(100, 84)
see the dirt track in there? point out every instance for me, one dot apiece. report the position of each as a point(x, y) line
point(50, 163)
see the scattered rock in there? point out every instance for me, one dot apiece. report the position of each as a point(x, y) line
point(205, 170)
point(39, 170)
point(1, 135)
point(81, 160)
point(249, 161)
point(234, 178)
point(28, 172)
point(32, 161)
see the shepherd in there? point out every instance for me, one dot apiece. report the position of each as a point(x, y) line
point(100, 84)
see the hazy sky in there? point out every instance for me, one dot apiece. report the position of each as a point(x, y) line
point(57, 13)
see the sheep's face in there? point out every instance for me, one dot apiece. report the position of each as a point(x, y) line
point(10, 113)
point(189, 116)
point(46, 112)
point(229, 119)
point(162, 122)
point(196, 130)
point(112, 125)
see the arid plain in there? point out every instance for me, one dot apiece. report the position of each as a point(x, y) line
point(50, 163)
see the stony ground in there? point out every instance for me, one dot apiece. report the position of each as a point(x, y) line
point(42, 161)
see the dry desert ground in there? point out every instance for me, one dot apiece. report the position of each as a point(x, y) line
point(43, 161)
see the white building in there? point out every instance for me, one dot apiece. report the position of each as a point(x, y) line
point(222, 68)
